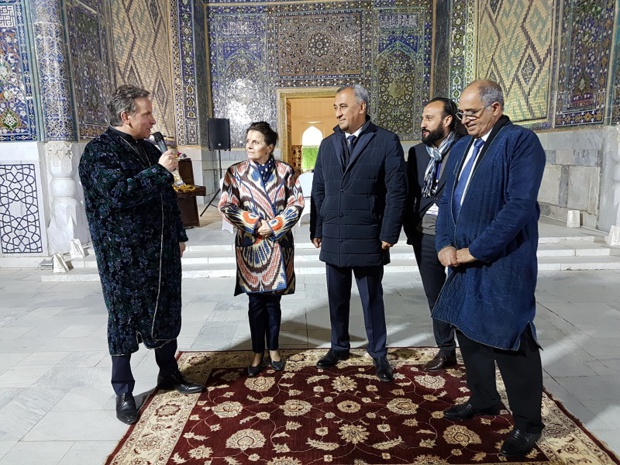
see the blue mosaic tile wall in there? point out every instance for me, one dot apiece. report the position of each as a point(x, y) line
point(554, 66)
point(462, 53)
point(203, 93)
point(183, 56)
point(89, 55)
point(258, 47)
point(584, 61)
point(17, 110)
point(143, 54)
point(615, 89)
point(55, 99)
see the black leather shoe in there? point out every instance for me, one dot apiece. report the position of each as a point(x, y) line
point(254, 370)
point(384, 370)
point(126, 410)
point(468, 411)
point(178, 382)
point(519, 443)
point(331, 358)
point(278, 365)
point(440, 362)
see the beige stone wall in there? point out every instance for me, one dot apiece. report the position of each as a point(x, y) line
point(581, 175)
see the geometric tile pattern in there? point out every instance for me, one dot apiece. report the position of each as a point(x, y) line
point(89, 54)
point(463, 49)
point(256, 48)
point(17, 113)
point(239, 72)
point(183, 55)
point(584, 61)
point(515, 49)
point(141, 40)
point(402, 60)
point(20, 229)
point(53, 69)
point(202, 88)
point(320, 44)
point(307, 48)
point(615, 88)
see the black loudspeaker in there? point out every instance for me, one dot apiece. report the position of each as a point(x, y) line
point(219, 133)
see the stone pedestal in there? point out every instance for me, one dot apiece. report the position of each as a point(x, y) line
point(67, 218)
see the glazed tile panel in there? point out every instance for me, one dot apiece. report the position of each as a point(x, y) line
point(402, 63)
point(91, 76)
point(240, 75)
point(585, 55)
point(256, 49)
point(462, 53)
point(515, 49)
point(141, 38)
point(17, 112)
point(54, 93)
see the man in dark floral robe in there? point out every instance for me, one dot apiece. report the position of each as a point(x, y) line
point(138, 236)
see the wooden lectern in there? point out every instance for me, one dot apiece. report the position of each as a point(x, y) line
point(187, 200)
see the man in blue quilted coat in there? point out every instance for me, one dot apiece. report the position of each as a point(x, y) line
point(487, 233)
point(358, 200)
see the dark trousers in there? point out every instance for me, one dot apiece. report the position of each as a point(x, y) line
point(368, 280)
point(122, 378)
point(265, 316)
point(521, 371)
point(433, 275)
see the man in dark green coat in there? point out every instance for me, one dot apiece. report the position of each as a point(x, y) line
point(138, 236)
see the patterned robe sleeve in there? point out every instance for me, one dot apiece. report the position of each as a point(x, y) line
point(284, 221)
point(230, 207)
point(104, 173)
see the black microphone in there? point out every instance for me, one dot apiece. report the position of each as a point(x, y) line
point(159, 141)
point(161, 145)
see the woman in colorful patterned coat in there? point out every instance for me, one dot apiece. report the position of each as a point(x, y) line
point(263, 199)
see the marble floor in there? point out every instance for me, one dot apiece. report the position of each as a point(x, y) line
point(57, 407)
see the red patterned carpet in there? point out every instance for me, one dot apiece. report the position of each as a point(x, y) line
point(345, 415)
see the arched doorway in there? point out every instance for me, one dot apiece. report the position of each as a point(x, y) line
point(298, 110)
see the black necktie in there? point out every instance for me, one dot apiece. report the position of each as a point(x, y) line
point(350, 146)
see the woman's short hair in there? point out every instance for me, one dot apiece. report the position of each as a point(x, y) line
point(270, 136)
point(124, 99)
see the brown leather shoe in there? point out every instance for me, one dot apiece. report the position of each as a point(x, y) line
point(440, 362)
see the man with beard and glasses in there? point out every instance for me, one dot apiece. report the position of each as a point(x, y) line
point(426, 178)
point(487, 233)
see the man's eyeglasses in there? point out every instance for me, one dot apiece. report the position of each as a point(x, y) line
point(470, 115)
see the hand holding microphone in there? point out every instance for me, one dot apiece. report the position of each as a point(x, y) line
point(168, 159)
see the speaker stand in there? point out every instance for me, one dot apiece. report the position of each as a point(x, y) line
point(219, 157)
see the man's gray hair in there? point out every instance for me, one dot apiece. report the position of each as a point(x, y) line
point(124, 99)
point(361, 94)
point(491, 92)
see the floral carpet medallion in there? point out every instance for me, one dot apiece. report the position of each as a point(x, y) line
point(344, 415)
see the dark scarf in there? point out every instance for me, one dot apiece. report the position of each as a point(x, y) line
point(266, 169)
point(436, 153)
